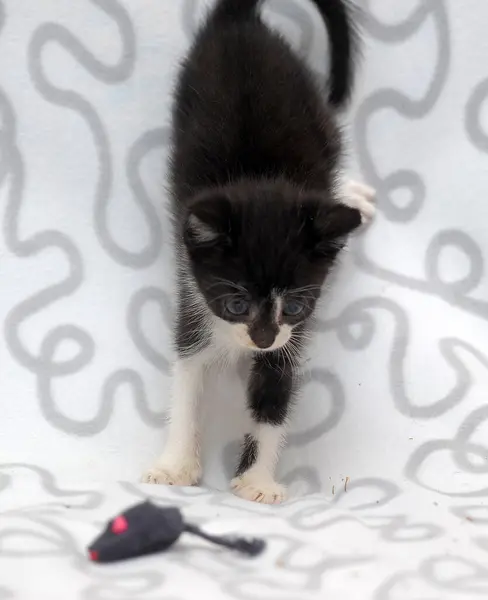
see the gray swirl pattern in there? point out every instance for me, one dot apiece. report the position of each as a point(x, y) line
point(387, 459)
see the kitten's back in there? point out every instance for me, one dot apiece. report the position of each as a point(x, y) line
point(247, 106)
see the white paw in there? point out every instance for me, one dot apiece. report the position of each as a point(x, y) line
point(360, 196)
point(263, 490)
point(183, 473)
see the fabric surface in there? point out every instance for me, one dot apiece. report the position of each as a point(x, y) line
point(387, 457)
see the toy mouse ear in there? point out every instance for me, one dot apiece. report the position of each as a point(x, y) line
point(209, 220)
point(119, 525)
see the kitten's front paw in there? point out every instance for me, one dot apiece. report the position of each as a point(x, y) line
point(183, 473)
point(362, 197)
point(263, 490)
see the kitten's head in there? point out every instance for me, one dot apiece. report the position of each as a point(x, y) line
point(260, 255)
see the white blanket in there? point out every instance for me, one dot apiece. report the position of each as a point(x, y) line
point(387, 460)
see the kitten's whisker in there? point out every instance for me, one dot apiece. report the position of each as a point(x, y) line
point(305, 288)
point(221, 297)
point(231, 284)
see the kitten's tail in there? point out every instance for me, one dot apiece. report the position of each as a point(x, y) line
point(342, 33)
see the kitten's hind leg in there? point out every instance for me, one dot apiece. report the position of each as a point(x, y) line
point(269, 396)
point(180, 462)
point(359, 196)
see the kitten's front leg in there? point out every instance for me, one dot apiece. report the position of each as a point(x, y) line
point(180, 462)
point(271, 386)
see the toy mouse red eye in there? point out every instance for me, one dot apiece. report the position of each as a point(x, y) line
point(120, 525)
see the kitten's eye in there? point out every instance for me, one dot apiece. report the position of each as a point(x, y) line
point(237, 307)
point(292, 308)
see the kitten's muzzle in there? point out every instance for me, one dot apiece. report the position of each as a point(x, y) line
point(263, 337)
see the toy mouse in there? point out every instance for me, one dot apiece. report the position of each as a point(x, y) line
point(147, 528)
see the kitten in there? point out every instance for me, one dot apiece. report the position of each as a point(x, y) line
point(259, 219)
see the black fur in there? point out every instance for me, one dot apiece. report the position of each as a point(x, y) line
point(271, 386)
point(254, 168)
point(248, 456)
point(336, 16)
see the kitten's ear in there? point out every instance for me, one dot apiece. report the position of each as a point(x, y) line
point(208, 221)
point(332, 228)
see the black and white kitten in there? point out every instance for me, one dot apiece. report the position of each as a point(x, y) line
point(260, 215)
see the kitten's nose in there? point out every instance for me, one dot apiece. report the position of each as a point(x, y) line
point(263, 337)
